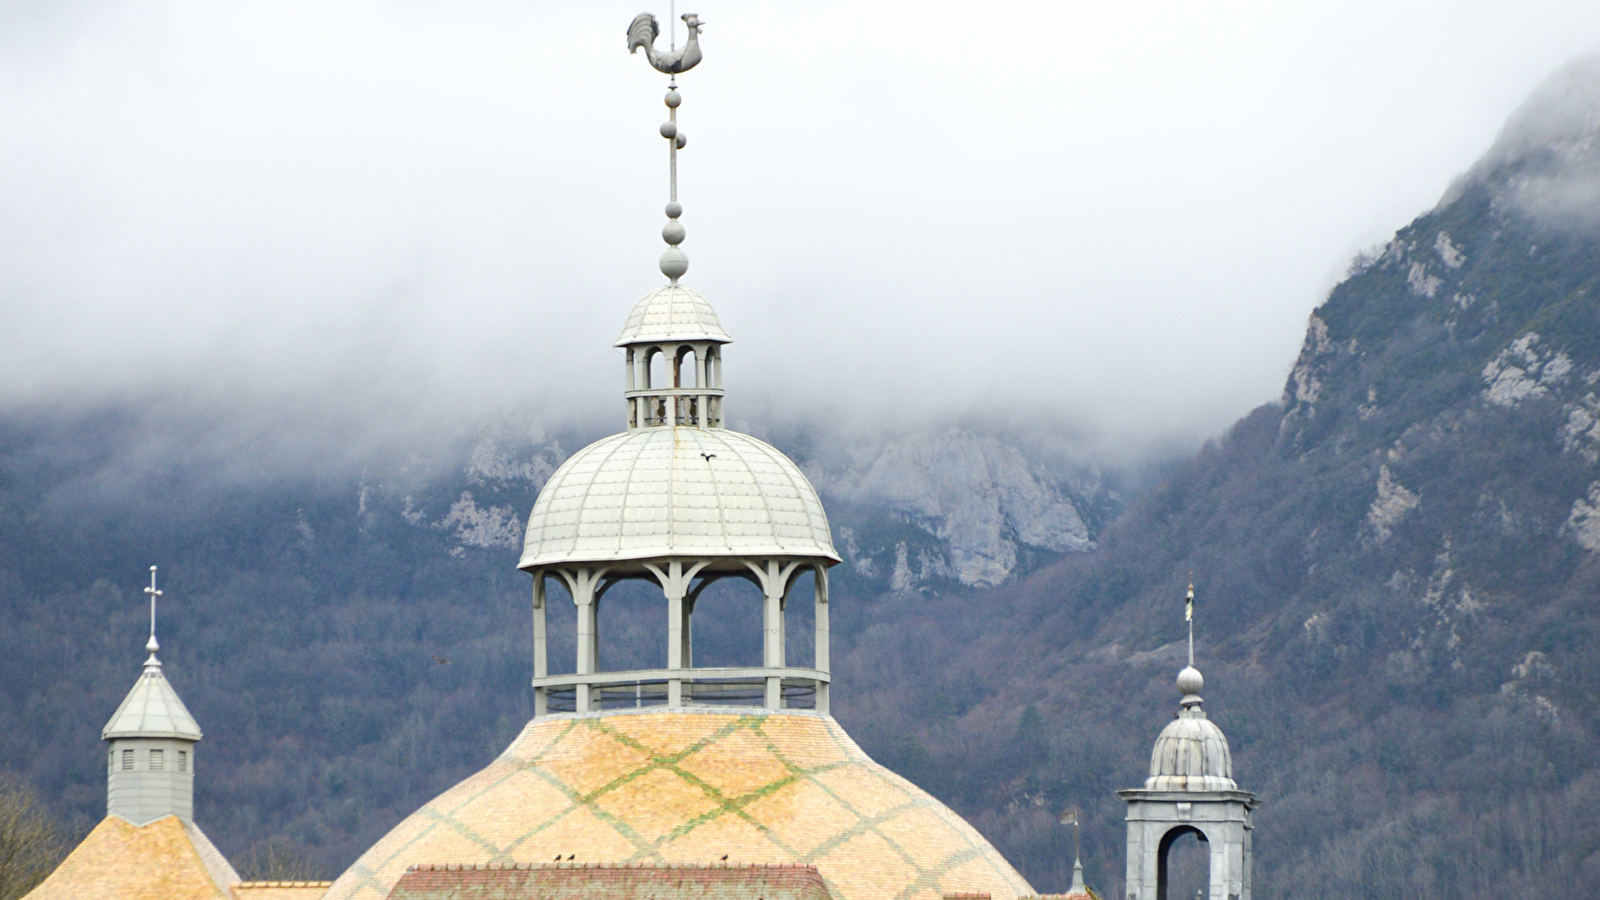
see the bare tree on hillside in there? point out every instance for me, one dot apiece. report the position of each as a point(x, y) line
point(277, 860)
point(32, 842)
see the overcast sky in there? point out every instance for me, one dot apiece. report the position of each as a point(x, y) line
point(1115, 215)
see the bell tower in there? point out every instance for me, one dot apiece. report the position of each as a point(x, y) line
point(1190, 791)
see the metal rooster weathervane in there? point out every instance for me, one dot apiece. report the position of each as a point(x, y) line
point(643, 33)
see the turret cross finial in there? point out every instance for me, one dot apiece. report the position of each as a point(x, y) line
point(152, 646)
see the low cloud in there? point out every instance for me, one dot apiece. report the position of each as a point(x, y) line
point(342, 223)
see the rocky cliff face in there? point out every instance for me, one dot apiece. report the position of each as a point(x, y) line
point(984, 503)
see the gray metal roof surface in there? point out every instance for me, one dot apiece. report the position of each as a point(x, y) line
point(669, 314)
point(152, 709)
point(1191, 755)
point(684, 491)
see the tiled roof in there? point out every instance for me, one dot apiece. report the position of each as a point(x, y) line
point(659, 492)
point(165, 860)
point(152, 709)
point(280, 890)
point(602, 882)
point(672, 313)
point(673, 787)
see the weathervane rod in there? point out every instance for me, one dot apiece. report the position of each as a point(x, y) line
point(672, 145)
point(1188, 615)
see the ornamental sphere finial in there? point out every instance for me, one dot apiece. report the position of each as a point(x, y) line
point(674, 263)
point(1190, 681)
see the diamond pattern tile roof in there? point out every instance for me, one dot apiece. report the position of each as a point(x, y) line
point(690, 787)
point(565, 881)
point(165, 860)
point(659, 492)
point(152, 709)
point(672, 313)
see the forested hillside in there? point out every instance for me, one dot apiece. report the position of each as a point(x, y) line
point(1395, 567)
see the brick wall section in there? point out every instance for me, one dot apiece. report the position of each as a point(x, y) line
point(606, 882)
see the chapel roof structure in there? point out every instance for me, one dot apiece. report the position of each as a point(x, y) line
point(152, 709)
point(168, 859)
point(683, 765)
point(688, 787)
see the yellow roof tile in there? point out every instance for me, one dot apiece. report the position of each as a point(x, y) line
point(122, 861)
point(696, 787)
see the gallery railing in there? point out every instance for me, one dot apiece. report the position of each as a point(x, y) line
point(700, 687)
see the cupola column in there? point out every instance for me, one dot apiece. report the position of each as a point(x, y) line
point(581, 583)
point(773, 576)
point(819, 575)
point(675, 579)
point(541, 648)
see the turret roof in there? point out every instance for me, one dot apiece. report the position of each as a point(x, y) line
point(152, 710)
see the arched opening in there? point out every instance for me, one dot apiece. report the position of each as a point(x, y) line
point(799, 621)
point(726, 624)
point(630, 623)
point(1183, 865)
point(685, 372)
point(561, 627)
point(655, 370)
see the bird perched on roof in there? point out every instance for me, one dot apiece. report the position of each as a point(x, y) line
point(643, 33)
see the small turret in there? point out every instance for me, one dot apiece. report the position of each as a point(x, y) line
point(148, 844)
point(150, 769)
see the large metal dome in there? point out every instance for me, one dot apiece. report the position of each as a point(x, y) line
point(665, 492)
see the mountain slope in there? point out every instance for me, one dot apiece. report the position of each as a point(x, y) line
point(1397, 575)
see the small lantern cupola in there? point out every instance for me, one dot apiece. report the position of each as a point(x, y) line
point(150, 769)
point(674, 331)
